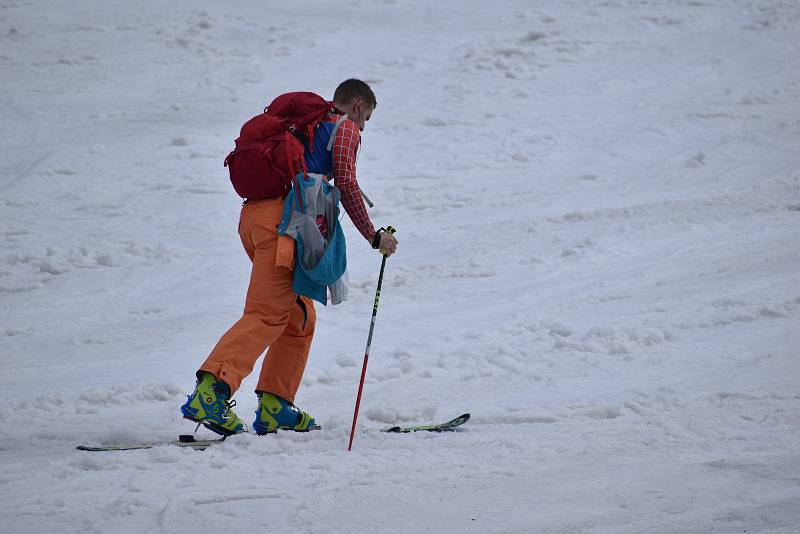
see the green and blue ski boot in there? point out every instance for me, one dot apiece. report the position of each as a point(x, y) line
point(210, 405)
point(275, 413)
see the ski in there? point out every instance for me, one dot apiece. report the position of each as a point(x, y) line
point(184, 440)
point(442, 427)
point(188, 440)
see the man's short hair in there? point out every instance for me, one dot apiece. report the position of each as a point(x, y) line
point(352, 88)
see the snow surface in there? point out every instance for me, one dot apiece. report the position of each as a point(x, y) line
point(598, 208)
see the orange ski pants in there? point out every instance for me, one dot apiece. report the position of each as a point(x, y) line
point(274, 315)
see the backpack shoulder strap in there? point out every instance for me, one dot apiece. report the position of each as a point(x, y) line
point(335, 129)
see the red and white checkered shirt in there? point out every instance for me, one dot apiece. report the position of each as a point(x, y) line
point(345, 150)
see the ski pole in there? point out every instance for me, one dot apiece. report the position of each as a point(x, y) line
point(369, 344)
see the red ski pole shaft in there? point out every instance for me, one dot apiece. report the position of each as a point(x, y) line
point(358, 402)
point(369, 345)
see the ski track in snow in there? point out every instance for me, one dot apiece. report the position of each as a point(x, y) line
point(597, 205)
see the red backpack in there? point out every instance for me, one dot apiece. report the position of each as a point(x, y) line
point(268, 153)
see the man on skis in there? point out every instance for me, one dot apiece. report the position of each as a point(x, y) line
point(276, 317)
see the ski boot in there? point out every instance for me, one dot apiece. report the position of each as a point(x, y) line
point(276, 413)
point(210, 406)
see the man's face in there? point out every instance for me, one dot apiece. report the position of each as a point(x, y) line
point(361, 112)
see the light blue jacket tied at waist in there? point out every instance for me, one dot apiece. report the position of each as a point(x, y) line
point(321, 263)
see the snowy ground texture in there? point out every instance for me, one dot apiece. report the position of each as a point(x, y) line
point(598, 207)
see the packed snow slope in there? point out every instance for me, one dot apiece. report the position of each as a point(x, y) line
point(598, 207)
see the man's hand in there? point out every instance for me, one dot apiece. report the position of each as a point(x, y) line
point(388, 244)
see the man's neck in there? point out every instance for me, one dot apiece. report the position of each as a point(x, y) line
point(345, 109)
